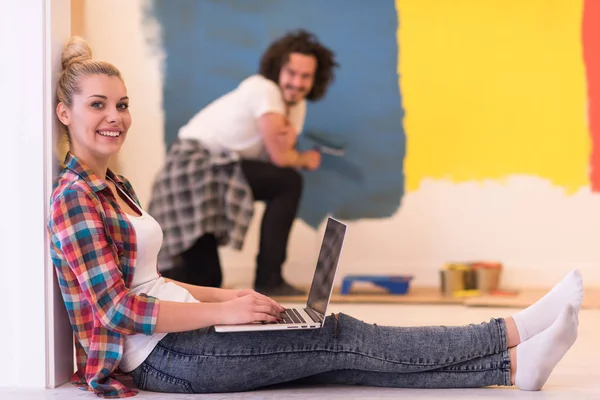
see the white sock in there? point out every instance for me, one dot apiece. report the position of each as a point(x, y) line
point(537, 357)
point(542, 314)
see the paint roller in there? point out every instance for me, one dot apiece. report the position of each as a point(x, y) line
point(327, 144)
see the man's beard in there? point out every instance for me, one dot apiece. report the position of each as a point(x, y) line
point(299, 92)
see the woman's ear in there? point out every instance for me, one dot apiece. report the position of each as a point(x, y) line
point(63, 114)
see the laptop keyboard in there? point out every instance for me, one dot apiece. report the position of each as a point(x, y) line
point(315, 317)
point(292, 316)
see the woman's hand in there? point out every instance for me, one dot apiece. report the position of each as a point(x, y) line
point(223, 295)
point(249, 306)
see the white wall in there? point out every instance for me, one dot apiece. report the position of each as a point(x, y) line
point(60, 351)
point(24, 162)
point(124, 45)
point(534, 228)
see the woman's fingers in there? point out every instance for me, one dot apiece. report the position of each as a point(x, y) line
point(258, 304)
point(268, 309)
point(270, 300)
point(265, 317)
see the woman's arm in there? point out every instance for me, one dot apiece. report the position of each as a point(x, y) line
point(251, 307)
point(208, 294)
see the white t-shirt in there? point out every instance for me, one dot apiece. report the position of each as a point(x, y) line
point(230, 123)
point(149, 238)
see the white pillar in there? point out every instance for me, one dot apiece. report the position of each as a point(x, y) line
point(32, 33)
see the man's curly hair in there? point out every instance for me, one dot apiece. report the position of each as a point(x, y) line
point(303, 42)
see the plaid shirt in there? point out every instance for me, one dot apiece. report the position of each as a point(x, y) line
point(93, 248)
point(200, 191)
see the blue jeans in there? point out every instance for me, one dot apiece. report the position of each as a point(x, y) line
point(344, 351)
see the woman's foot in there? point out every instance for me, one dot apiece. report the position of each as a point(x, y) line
point(537, 357)
point(542, 314)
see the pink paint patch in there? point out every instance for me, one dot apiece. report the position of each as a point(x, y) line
point(591, 56)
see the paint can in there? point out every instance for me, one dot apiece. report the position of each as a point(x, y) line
point(456, 277)
point(487, 276)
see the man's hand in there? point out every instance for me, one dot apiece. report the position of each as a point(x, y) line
point(311, 159)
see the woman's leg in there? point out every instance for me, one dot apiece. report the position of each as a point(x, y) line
point(280, 189)
point(474, 355)
point(538, 357)
point(204, 361)
point(481, 372)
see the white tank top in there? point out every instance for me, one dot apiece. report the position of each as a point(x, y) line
point(146, 280)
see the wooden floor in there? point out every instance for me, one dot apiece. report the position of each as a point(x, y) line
point(368, 293)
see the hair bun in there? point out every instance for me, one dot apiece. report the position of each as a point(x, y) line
point(76, 51)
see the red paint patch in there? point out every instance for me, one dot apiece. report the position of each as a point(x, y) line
point(591, 56)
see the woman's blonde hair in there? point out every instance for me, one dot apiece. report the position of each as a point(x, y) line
point(77, 62)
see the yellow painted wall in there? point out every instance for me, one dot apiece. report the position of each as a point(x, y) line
point(493, 88)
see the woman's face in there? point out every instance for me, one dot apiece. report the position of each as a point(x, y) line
point(98, 118)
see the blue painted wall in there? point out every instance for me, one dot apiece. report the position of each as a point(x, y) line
point(212, 45)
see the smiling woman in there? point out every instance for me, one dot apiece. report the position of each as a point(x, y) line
point(92, 105)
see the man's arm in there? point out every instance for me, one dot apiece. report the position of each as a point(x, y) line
point(274, 129)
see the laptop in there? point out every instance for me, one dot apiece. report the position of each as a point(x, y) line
point(313, 315)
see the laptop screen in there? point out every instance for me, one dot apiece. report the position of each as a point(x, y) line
point(329, 255)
